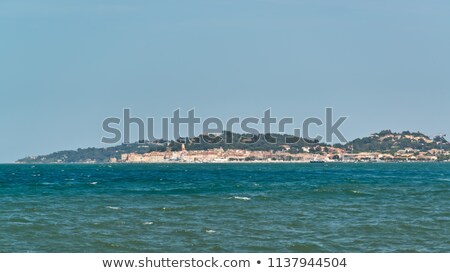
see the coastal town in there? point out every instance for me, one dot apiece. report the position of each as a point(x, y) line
point(384, 146)
point(325, 154)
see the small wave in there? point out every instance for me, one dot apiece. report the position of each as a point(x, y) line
point(168, 208)
point(93, 183)
point(319, 190)
point(242, 198)
point(109, 207)
point(325, 190)
point(210, 231)
point(355, 192)
point(69, 179)
point(443, 179)
point(147, 223)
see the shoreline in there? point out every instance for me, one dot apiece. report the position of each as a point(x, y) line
point(219, 162)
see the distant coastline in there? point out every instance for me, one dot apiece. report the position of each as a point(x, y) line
point(228, 147)
point(231, 163)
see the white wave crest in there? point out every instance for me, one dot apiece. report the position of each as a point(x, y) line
point(242, 198)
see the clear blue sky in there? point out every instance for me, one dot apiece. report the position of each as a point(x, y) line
point(67, 65)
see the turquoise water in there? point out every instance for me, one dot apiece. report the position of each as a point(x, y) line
point(225, 208)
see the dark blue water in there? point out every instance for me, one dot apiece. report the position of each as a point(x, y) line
point(225, 208)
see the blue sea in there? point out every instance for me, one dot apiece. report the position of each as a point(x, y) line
point(392, 207)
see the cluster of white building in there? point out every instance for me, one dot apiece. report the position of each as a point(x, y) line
point(216, 155)
point(327, 154)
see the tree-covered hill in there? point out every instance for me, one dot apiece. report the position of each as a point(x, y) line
point(388, 141)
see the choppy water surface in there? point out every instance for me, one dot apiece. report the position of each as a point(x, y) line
point(225, 208)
